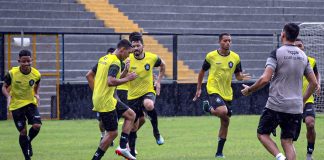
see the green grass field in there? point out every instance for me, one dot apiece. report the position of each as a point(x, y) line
point(187, 138)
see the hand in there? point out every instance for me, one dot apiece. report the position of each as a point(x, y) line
point(245, 76)
point(157, 88)
point(318, 89)
point(198, 93)
point(131, 76)
point(37, 99)
point(245, 91)
point(8, 101)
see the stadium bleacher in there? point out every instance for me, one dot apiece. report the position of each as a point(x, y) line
point(163, 16)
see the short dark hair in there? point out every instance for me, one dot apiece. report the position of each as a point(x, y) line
point(124, 43)
point(24, 53)
point(298, 39)
point(292, 31)
point(136, 36)
point(110, 50)
point(223, 34)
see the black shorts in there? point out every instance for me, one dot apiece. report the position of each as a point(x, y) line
point(122, 95)
point(309, 110)
point(215, 100)
point(137, 105)
point(110, 119)
point(290, 124)
point(29, 112)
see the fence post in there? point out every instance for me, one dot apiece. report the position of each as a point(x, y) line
point(175, 58)
point(63, 61)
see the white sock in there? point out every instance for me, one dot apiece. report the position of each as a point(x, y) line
point(103, 134)
point(280, 156)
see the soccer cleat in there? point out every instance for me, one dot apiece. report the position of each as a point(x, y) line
point(309, 157)
point(159, 140)
point(219, 155)
point(206, 106)
point(124, 153)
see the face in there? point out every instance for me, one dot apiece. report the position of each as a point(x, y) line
point(25, 62)
point(225, 42)
point(137, 48)
point(125, 53)
point(300, 45)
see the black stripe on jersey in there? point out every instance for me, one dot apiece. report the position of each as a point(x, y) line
point(206, 65)
point(7, 79)
point(94, 68)
point(273, 54)
point(315, 69)
point(113, 70)
point(238, 68)
point(158, 62)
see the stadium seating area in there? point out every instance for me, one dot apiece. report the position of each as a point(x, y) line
point(185, 17)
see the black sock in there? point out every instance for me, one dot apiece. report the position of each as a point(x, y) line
point(310, 148)
point(154, 121)
point(132, 142)
point(99, 153)
point(123, 140)
point(23, 141)
point(32, 133)
point(221, 142)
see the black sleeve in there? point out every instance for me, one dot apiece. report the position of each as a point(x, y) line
point(113, 70)
point(158, 62)
point(94, 68)
point(273, 54)
point(7, 79)
point(122, 65)
point(206, 65)
point(238, 68)
point(315, 69)
point(37, 82)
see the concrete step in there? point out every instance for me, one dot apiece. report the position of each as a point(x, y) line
point(56, 29)
point(6, 13)
point(51, 22)
point(41, 6)
point(40, 1)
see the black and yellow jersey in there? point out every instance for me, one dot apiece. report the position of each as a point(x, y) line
point(125, 85)
point(22, 87)
point(221, 69)
point(143, 84)
point(103, 95)
point(312, 63)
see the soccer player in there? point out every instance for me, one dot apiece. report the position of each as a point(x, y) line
point(90, 78)
point(221, 63)
point(285, 68)
point(309, 110)
point(106, 79)
point(23, 100)
point(141, 93)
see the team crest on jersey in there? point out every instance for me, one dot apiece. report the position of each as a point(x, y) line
point(230, 64)
point(31, 82)
point(147, 67)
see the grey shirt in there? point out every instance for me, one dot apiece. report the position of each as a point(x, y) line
point(289, 64)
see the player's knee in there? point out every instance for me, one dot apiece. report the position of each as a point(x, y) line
point(130, 115)
point(148, 104)
point(23, 132)
point(310, 122)
point(37, 126)
point(113, 134)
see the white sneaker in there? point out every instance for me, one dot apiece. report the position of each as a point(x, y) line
point(125, 153)
point(160, 140)
point(280, 156)
point(309, 157)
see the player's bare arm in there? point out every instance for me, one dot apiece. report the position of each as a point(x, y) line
point(90, 78)
point(261, 82)
point(312, 86)
point(158, 81)
point(200, 79)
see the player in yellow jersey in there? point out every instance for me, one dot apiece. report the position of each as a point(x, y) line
point(141, 93)
point(221, 63)
point(309, 110)
point(90, 78)
point(106, 79)
point(23, 100)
